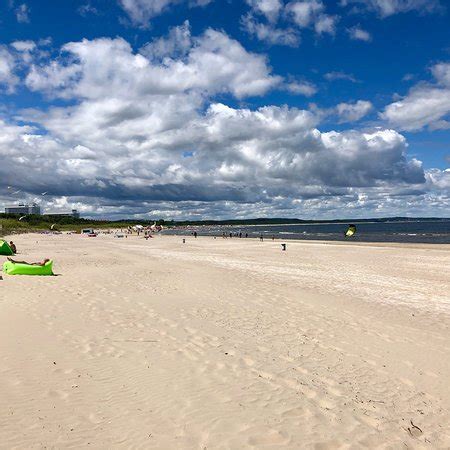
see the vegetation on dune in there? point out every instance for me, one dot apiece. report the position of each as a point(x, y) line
point(10, 223)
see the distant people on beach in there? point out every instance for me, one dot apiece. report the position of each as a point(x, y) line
point(40, 263)
point(12, 246)
point(261, 237)
point(246, 235)
point(195, 234)
point(240, 234)
point(231, 235)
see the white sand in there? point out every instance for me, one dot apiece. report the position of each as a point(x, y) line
point(225, 344)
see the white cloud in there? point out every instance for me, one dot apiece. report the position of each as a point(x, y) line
point(338, 75)
point(352, 112)
point(269, 8)
point(23, 13)
point(87, 9)
point(309, 13)
point(145, 132)
point(358, 34)
point(439, 178)
point(305, 88)
point(387, 8)
point(277, 23)
point(177, 43)
point(214, 63)
point(426, 104)
point(141, 11)
point(325, 24)
point(269, 33)
point(8, 77)
point(304, 13)
point(23, 46)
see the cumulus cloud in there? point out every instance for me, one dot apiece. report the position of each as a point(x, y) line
point(8, 77)
point(270, 152)
point(23, 46)
point(426, 104)
point(358, 34)
point(325, 24)
point(269, 8)
point(278, 23)
point(214, 63)
point(352, 112)
point(309, 13)
point(145, 133)
point(267, 32)
point(387, 8)
point(176, 44)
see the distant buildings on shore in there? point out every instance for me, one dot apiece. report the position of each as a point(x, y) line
point(24, 208)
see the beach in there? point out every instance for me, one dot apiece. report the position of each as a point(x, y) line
point(225, 343)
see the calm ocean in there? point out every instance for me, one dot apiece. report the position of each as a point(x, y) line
point(433, 232)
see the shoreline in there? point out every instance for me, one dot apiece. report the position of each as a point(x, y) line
point(375, 244)
point(323, 241)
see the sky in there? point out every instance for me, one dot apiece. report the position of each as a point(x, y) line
point(215, 109)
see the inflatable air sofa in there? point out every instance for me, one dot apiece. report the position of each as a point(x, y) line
point(27, 269)
point(5, 249)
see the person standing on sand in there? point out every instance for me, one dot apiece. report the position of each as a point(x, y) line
point(261, 238)
point(12, 246)
point(195, 234)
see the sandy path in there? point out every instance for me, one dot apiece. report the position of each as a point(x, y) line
point(225, 344)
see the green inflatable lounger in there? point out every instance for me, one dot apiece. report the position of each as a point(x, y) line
point(28, 269)
point(5, 249)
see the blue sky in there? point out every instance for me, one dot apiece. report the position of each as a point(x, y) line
point(203, 108)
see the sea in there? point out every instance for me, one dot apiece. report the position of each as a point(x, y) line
point(420, 231)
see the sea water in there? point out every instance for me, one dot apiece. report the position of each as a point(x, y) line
point(420, 231)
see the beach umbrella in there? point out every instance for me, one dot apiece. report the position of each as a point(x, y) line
point(351, 230)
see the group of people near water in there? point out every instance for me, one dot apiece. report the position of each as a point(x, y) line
point(240, 235)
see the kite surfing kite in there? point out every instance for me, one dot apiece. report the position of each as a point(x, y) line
point(351, 230)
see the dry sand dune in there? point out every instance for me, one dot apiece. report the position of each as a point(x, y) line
point(225, 344)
